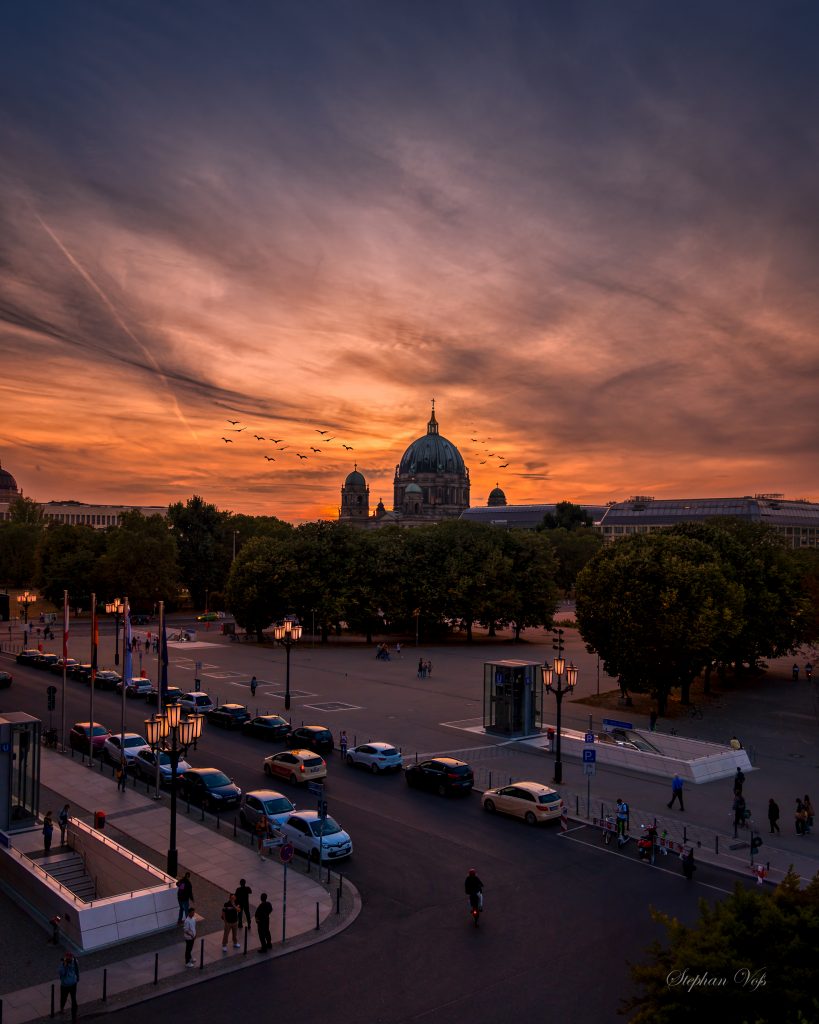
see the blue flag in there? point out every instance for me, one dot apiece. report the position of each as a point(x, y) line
point(127, 660)
point(163, 644)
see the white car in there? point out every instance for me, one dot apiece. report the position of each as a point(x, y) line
point(196, 702)
point(139, 686)
point(127, 746)
point(531, 801)
point(377, 756)
point(304, 830)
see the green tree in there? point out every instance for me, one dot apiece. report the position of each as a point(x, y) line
point(27, 512)
point(325, 554)
point(655, 607)
point(566, 516)
point(200, 530)
point(533, 569)
point(69, 559)
point(574, 549)
point(750, 957)
point(258, 589)
point(18, 553)
point(140, 562)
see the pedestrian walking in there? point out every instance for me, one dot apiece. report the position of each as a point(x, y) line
point(676, 792)
point(795, 672)
point(69, 979)
point(739, 782)
point(48, 831)
point(243, 894)
point(429, 667)
point(189, 935)
point(63, 819)
point(262, 916)
point(622, 821)
point(688, 865)
point(342, 743)
point(230, 919)
point(808, 671)
point(800, 818)
point(738, 807)
point(773, 815)
point(122, 774)
point(262, 830)
point(253, 684)
point(808, 813)
point(184, 895)
point(420, 668)
point(398, 650)
point(652, 721)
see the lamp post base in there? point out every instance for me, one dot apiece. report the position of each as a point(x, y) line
point(173, 863)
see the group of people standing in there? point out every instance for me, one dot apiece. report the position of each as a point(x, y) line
point(424, 668)
point(235, 914)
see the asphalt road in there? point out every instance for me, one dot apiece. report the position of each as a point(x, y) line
point(563, 917)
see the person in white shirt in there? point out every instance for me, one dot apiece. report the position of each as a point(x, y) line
point(189, 934)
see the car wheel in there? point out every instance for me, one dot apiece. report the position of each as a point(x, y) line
point(268, 770)
point(314, 856)
point(489, 806)
point(350, 761)
point(374, 768)
point(293, 780)
point(530, 818)
point(441, 789)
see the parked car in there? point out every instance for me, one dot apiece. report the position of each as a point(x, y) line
point(531, 801)
point(136, 687)
point(296, 766)
point(172, 695)
point(210, 788)
point(442, 775)
point(145, 766)
point(128, 746)
point(266, 727)
point(196, 702)
point(5, 680)
point(28, 656)
point(82, 673)
point(210, 616)
point(308, 832)
point(264, 803)
point(107, 679)
point(228, 716)
point(45, 661)
point(313, 737)
point(57, 667)
point(78, 738)
point(377, 756)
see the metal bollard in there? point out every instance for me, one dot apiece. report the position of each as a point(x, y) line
point(52, 999)
point(104, 984)
point(338, 904)
point(317, 915)
point(218, 822)
point(490, 779)
point(246, 930)
point(156, 968)
point(202, 955)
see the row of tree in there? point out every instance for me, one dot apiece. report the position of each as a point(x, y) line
point(662, 608)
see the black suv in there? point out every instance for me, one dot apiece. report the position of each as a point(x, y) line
point(311, 737)
point(266, 727)
point(210, 788)
point(228, 716)
point(442, 775)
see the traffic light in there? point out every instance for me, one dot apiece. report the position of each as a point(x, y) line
point(51, 692)
point(322, 808)
point(756, 842)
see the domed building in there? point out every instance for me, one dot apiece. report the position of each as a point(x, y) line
point(8, 486)
point(496, 498)
point(431, 483)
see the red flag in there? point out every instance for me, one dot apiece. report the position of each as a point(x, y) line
point(95, 640)
point(65, 626)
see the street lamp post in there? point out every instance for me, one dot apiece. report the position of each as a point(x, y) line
point(183, 732)
point(288, 634)
point(558, 689)
point(115, 608)
point(26, 599)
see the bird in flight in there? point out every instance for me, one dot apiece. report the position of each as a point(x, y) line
point(232, 422)
point(283, 448)
point(326, 439)
point(312, 449)
point(300, 455)
point(320, 431)
point(349, 447)
point(503, 466)
point(270, 458)
point(483, 462)
point(228, 440)
point(276, 440)
point(258, 437)
point(238, 430)
point(491, 455)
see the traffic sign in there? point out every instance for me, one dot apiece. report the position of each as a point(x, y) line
point(589, 756)
point(286, 852)
point(589, 737)
point(589, 768)
point(316, 788)
point(51, 693)
point(612, 723)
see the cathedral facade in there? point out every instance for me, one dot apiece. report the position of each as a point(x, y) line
point(431, 483)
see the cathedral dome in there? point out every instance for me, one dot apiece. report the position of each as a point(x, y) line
point(413, 488)
point(355, 479)
point(8, 486)
point(431, 453)
point(496, 497)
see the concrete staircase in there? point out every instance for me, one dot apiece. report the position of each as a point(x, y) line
point(69, 870)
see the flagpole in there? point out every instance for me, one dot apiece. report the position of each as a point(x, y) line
point(65, 658)
point(93, 678)
point(125, 680)
point(160, 690)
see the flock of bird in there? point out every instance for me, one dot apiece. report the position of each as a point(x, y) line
point(489, 455)
point(285, 450)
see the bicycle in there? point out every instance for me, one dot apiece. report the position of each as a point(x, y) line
point(476, 907)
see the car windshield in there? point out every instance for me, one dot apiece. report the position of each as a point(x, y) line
point(322, 734)
point(164, 758)
point(387, 752)
point(279, 806)
point(312, 762)
point(548, 798)
point(202, 700)
point(215, 780)
point(331, 827)
point(134, 741)
point(458, 769)
point(100, 730)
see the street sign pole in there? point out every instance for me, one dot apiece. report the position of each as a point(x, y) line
point(284, 905)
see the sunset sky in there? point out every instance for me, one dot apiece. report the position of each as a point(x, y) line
point(589, 230)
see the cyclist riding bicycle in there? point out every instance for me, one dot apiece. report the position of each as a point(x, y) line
point(622, 820)
point(473, 887)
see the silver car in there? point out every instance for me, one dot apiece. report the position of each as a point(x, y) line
point(265, 803)
point(144, 765)
point(309, 834)
point(377, 756)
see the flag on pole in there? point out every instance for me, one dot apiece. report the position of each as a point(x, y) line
point(127, 659)
point(65, 626)
point(95, 640)
point(163, 648)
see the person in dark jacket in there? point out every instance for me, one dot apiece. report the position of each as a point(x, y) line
point(773, 815)
point(69, 979)
point(243, 894)
point(688, 865)
point(262, 915)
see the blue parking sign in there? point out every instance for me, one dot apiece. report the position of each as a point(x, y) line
point(589, 756)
